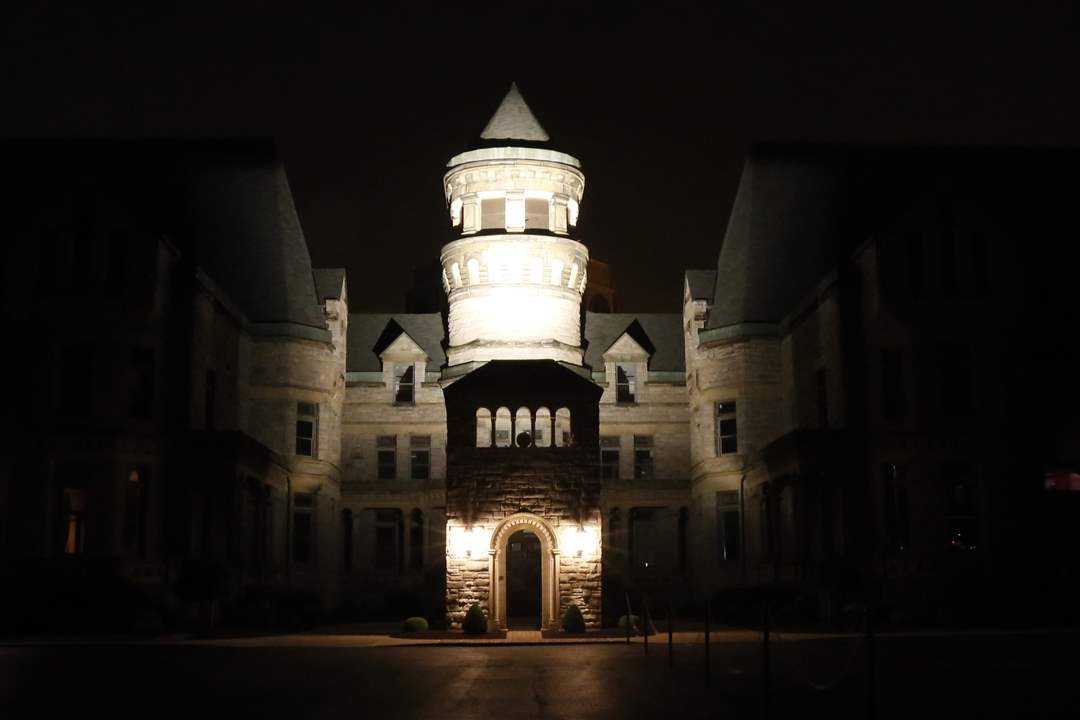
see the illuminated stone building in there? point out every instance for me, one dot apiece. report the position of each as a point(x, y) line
point(848, 405)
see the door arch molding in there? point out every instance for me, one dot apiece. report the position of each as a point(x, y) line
point(549, 567)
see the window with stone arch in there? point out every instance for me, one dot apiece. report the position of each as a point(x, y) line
point(502, 427)
point(563, 436)
point(556, 272)
point(483, 427)
point(573, 275)
point(542, 432)
point(474, 271)
point(523, 436)
point(536, 271)
point(445, 281)
point(455, 270)
point(492, 265)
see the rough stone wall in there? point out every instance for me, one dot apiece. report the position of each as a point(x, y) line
point(486, 486)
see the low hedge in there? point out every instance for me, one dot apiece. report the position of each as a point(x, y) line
point(475, 622)
point(414, 624)
point(572, 619)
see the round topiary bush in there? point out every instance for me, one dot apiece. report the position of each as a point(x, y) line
point(635, 623)
point(414, 624)
point(475, 622)
point(572, 620)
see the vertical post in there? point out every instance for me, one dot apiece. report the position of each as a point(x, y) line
point(765, 659)
point(645, 623)
point(670, 637)
point(494, 443)
point(708, 668)
point(871, 677)
point(629, 618)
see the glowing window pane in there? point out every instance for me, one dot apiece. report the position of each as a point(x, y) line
point(556, 272)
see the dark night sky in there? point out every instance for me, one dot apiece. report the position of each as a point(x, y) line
point(368, 105)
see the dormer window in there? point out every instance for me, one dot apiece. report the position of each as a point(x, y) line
point(625, 384)
point(404, 384)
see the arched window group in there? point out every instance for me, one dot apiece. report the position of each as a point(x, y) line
point(491, 267)
point(523, 427)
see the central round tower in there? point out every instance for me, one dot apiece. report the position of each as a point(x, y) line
point(514, 276)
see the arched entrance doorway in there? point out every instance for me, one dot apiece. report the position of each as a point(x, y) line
point(523, 585)
point(537, 537)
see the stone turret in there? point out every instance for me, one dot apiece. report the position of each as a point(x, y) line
point(514, 275)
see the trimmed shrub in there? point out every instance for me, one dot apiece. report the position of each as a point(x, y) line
point(635, 623)
point(572, 620)
point(475, 622)
point(414, 624)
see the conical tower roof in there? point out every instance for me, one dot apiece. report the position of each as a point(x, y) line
point(513, 120)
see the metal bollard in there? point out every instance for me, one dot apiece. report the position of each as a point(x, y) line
point(871, 678)
point(645, 623)
point(670, 638)
point(708, 668)
point(765, 661)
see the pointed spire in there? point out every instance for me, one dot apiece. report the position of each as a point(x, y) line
point(514, 120)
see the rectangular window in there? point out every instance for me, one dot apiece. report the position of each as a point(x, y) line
point(893, 396)
point(609, 457)
point(77, 380)
point(307, 429)
point(420, 457)
point(386, 447)
point(209, 399)
point(643, 457)
point(625, 384)
point(388, 540)
point(728, 531)
point(897, 519)
point(403, 384)
point(536, 213)
point(980, 264)
point(116, 265)
point(961, 506)
point(493, 213)
point(135, 497)
point(303, 528)
point(916, 268)
point(955, 363)
point(822, 379)
point(141, 389)
point(727, 429)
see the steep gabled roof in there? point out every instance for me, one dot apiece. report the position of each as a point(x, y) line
point(513, 120)
point(329, 283)
point(659, 333)
point(702, 283)
point(371, 333)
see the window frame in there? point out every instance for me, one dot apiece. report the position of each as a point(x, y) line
point(419, 445)
point(726, 411)
point(625, 384)
point(402, 385)
point(728, 504)
point(609, 446)
point(385, 446)
point(307, 413)
point(644, 447)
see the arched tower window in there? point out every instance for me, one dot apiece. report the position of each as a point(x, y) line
point(445, 281)
point(523, 434)
point(455, 270)
point(543, 431)
point(563, 437)
point(573, 275)
point(483, 428)
point(474, 271)
point(502, 427)
point(536, 271)
point(556, 272)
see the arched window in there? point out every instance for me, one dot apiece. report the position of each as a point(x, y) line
point(445, 281)
point(474, 271)
point(581, 285)
point(492, 264)
point(523, 434)
point(455, 270)
point(556, 272)
point(502, 427)
point(536, 271)
point(563, 437)
point(416, 540)
point(483, 428)
point(542, 432)
point(573, 275)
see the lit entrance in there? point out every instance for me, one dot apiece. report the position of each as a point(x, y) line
point(523, 581)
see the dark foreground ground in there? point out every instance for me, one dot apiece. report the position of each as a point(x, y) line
point(918, 677)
